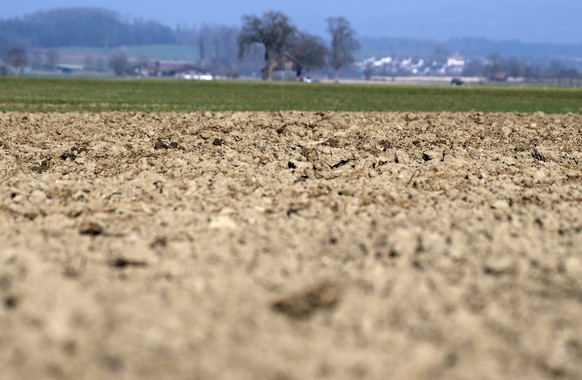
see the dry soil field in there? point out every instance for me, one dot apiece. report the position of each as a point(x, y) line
point(290, 246)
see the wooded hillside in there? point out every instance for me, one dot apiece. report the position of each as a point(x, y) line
point(91, 27)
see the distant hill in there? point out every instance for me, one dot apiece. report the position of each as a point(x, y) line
point(484, 47)
point(469, 47)
point(91, 27)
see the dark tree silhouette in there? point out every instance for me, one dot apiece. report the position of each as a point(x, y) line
point(52, 57)
point(119, 63)
point(16, 58)
point(309, 50)
point(343, 43)
point(273, 30)
point(82, 26)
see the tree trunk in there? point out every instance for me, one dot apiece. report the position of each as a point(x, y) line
point(269, 71)
point(269, 60)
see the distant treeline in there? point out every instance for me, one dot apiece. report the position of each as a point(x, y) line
point(90, 27)
point(96, 27)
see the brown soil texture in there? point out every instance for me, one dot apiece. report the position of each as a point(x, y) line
point(290, 246)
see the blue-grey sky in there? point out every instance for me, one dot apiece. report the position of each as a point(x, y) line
point(526, 20)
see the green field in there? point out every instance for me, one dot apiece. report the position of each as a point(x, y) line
point(29, 94)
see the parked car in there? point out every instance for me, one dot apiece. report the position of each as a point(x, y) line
point(458, 82)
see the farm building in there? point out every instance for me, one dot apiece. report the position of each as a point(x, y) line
point(69, 68)
point(456, 60)
point(284, 68)
point(174, 68)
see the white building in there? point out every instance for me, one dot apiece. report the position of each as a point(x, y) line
point(456, 60)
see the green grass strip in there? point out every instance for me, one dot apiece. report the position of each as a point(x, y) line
point(30, 94)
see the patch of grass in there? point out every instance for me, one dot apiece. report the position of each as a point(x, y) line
point(29, 94)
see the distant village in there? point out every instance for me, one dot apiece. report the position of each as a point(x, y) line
point(376, 68)
point(395, 68)
point(285, 67)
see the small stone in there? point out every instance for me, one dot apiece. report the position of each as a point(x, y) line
point(11, 302)
point(79, 149)
point(499, 265)
point(222, 222)
point(431, 155)
point(159, 241)
point(68, 156)
point(161, 144)
point(43, 167)
point(303, 304)
point(124, 262)
point(385, 145)
point(500, 204)
point(91, 228)
point(400, 157)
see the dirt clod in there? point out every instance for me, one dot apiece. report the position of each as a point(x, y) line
point(431, 155)
point(302, 304)
point(499, 265)
point(123, 262)
point(159, 241)
point(43, 167)
point(91, 228)
point(71, 156)
point(161, 144)
point(79, 149)
point(11, 302)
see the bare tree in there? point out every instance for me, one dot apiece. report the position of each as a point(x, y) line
point(16, 58)
point(223, 43)
point(52, 58)
point(204, 43)
point(274, 31)
point(119, 62)
point(343, 43)
point(368, 71)
point(310, 50)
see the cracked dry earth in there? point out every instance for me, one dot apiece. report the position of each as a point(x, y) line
point(290, 246)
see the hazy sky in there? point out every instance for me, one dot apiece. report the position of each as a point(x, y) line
point(526, 20)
